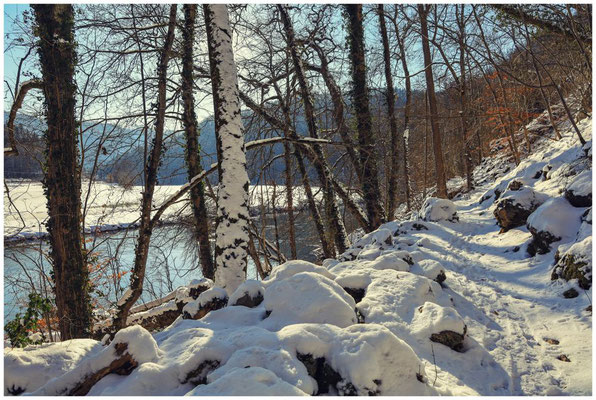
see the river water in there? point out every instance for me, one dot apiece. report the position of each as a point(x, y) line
point(172, 262)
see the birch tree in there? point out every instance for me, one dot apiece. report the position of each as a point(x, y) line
point(232, 234)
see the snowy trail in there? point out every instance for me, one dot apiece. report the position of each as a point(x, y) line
point(503, 298)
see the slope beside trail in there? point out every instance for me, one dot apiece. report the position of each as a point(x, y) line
point(506, 297)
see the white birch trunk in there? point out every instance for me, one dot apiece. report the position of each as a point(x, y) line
point(231, 243)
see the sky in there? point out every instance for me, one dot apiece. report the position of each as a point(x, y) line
point(13, 13)
point(13, 55)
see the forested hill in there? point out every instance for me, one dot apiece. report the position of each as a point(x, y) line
point(119, 157)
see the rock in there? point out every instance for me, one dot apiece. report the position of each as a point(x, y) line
point(210, 300)
point(576, 263)
point(248, 301)
point(198, 286)
point(357, 294)
point(441, 277)
point(579, 192)
point(554, 220)
point(198, 376)
point(570, 293)
point(515, 185)
point(435, 210)
point(249, 294)
point(541, 242)
point(453, 340)
point(515, 206)
point(325, 376)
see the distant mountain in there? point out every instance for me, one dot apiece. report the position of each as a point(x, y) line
point(118, 152)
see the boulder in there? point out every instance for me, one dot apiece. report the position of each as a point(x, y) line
point(576, 263)
point(210, 300)
point(515, 206)
point(579, 192)
point(435, 210)
point(555, 220)
point(249, 294)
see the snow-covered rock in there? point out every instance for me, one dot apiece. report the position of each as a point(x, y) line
point(358, 360)
point(249, 294)
point(247, 381)
point(553, 221)
point(26, 370)
point(308, 297)
point(515, 206)
point(281, 361)
point(439, 324)
point(210, 300)
point(576, 263)
point(134, 342)
point(579, 192)
point(294, 267)
point(431, 269)
point(435, 210)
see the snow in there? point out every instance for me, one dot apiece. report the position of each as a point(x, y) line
point(582, 184)
point(504, 301)
point(251, 287)
point(294, 267)
point(301, 297)
point(251, 381)
point(29, 368)
point(435, 210)
point(557, 217)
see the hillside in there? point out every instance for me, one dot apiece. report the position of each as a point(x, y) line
point(446, 303)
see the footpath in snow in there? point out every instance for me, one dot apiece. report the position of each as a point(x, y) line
point(487, 295)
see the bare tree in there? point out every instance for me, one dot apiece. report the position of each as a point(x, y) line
point(366, 140)
point(193, 160)
point(441, 180)
point(334, 221)
point(146, 225)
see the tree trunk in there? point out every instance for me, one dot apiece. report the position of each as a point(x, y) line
point(146, 226)
point(231, 243)
point(290, 200)
point(337, 230)
point(366, 140)
point(62, 172)
point(193, 158)
point(407, 111)
point(432, 103)
point(338, 111)
point(463, 99)
point(390, 96)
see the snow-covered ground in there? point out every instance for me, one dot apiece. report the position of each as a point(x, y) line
point(440, 304)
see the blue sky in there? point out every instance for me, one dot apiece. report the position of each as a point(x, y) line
point(12, 56)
